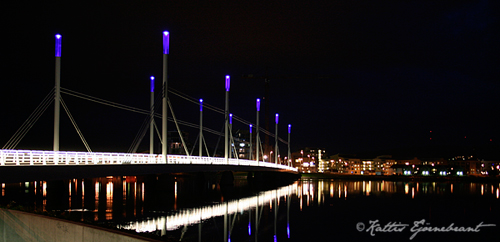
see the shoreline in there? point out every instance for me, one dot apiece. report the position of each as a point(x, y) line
point(401, 178)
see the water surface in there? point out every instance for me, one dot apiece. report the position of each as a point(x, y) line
point(187, 208)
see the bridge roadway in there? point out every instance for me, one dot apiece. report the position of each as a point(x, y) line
point(32, 165)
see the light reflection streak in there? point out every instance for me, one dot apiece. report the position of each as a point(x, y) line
point(186, 217)
point(331, 189)
point(320, 190)
point(175, 196)
point(305, 189)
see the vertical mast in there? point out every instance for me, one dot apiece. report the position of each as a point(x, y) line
point(226, 125)
point(152, 115)
point(276, 141)
point(289, 153)
point(250, 148)
point(57, 98)
point(231, 142)
point(164, 150)
point(201, 128)
point(257, 138)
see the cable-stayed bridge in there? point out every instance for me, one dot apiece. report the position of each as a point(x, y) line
point(30, 162)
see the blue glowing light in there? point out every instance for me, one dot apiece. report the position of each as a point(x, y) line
point(230, 118)
point(289, 128)
point(201, 105)
point(249, 229)
point(152, 84)
point(58, 45)
point(258, 105)
point(166, 42)
point(277, 116)
point(227, 83)
point(288, 229)
point(251, 128)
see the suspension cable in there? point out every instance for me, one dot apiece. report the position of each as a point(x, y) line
point(75, 125)
point(147, 112)
point(30, 121)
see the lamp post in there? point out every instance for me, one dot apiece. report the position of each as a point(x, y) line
point(166, 40)
point(57, 98)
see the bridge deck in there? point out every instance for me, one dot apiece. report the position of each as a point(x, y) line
point(36, 164)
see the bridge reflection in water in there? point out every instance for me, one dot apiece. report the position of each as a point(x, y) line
point(152, 204)
point(180, 207)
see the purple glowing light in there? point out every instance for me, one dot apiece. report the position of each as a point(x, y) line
point(251, 128)
point(230, 118)
point(289, 128)
point(258, 105)
point(166, 42)
point(227, 83)
point(152, 83)
point(277, 116)
point(249, 229)
point(58, 45)
point(201, 105)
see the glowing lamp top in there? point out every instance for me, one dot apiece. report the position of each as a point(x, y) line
point(277, 116)
point(227, 83)
point(251, 128)
point(289, 128)
point(152, 83)
point(58, 45)
point(230, 118)
point(201, 105)
point(258, 104)
point(166, 42)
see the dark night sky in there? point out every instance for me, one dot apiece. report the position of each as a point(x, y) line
point(396, 69)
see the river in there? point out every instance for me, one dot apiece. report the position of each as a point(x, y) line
point(186, 208)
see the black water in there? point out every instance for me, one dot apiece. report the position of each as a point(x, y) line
point(170, 208)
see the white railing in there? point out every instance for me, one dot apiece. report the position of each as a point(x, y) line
point(40, 157)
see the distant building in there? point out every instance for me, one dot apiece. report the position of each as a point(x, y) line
point(382, 164)
point(311, 160)
point(351, 164)
point(174, 141)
